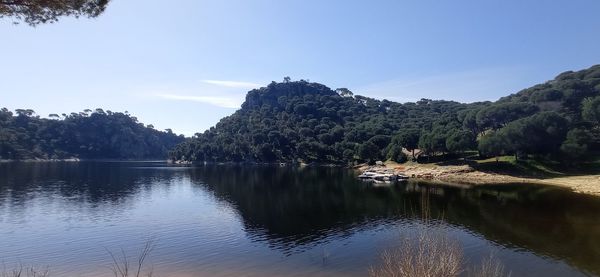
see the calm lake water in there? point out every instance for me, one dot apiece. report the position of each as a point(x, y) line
point(265, 221)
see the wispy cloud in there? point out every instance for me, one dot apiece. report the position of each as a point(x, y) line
point(220, 93)
point(232, 84)
point(225, 102)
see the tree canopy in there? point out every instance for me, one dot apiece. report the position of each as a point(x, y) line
point(591, 110)
point(34, 12)
point(299, 121)
point(92, 135)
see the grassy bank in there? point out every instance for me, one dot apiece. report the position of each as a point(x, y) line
point(584, 178)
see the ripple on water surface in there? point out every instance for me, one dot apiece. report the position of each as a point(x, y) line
point(257, 221)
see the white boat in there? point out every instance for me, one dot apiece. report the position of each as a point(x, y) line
point(367, 175)
point(381, 176)
point(384, 177)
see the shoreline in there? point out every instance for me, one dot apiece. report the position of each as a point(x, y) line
point(75, 160)
point(40, 160)
point(460, 175)
point(469, 176)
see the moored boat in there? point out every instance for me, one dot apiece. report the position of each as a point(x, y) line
point(382, 176)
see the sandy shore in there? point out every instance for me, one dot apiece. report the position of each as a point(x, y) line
point(464, 174)
point(589, 184)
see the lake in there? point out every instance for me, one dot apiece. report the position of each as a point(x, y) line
point(274, 221)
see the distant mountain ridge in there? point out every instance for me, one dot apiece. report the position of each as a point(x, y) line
point(309, 122)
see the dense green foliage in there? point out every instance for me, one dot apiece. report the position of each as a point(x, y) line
point(566, 125)
point(91, 135)
point(541, 133)
point(591, 110)
point(308, 122)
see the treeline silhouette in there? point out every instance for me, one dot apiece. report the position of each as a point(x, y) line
point(300, 121)
point(89, 134)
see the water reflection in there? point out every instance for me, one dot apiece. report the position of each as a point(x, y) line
point(92, 182)
point(549, 221)
point(292, 210)
point(293, 207)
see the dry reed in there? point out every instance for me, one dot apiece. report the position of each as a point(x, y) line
point(24, 272)
point(431, 252)
point(122, 266)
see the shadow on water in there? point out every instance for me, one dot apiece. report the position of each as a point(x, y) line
point(296, 207)
point(293, 209)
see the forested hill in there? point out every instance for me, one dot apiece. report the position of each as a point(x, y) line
point(87, 135)
point(309, 122)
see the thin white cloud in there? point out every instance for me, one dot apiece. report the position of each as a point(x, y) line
point(224, 94)
point(232, 84)
point(225, 102)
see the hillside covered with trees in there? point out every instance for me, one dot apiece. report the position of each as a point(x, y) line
point(88, 135)
point(311, 123)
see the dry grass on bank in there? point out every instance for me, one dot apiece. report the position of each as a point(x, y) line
point(122, 265)
point(430, 251)
point(489, 267)
point(506, 171)
point(430, 254)
point(25, 272)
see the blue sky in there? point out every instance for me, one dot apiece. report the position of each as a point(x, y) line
point(184, 64)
